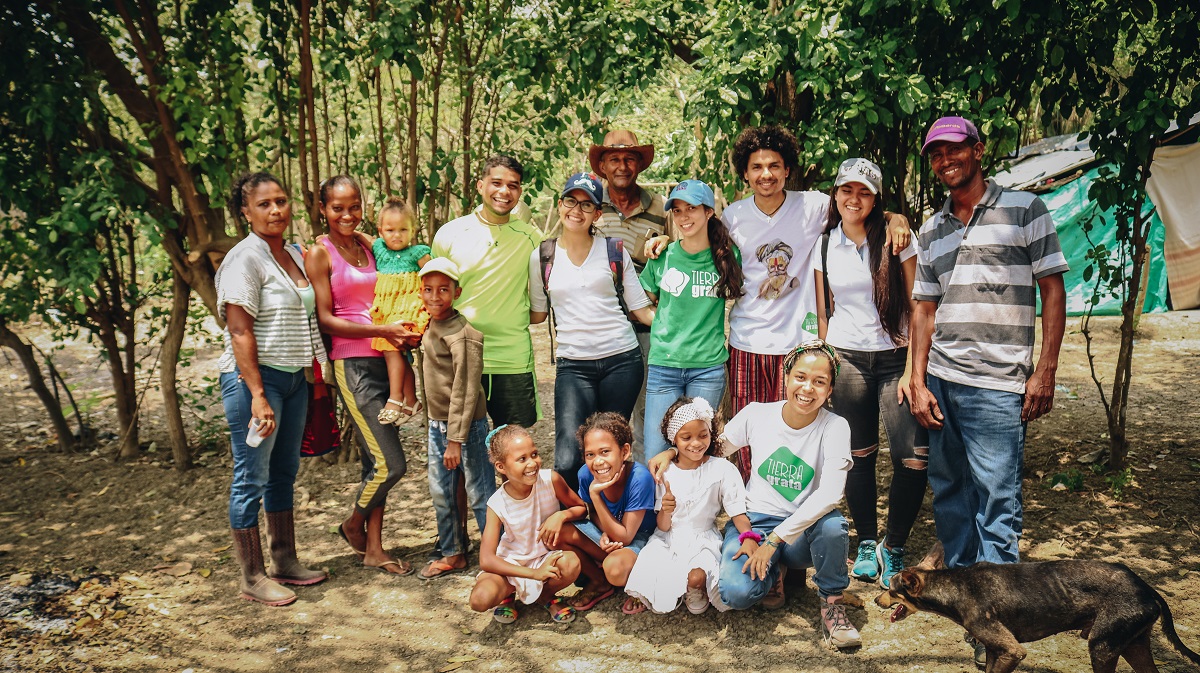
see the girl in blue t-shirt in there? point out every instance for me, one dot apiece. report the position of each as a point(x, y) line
point(690, 282)
point(620, 497)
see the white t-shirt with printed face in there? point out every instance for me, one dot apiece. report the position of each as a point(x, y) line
point(779, 309)
point(855, 323)
point(787, 465)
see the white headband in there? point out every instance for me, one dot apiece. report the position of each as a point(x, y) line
point(697, 409)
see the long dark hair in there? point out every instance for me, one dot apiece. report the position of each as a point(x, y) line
point(887, 273)
point(729, 284)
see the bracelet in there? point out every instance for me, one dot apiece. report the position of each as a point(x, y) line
point(771, 542)
point(750, 535)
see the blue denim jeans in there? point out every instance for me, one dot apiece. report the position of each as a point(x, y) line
point(975, 464)
point(583, 387)
point(265, 473)
point(823, 547)
point(478, 475)
point(664, 385)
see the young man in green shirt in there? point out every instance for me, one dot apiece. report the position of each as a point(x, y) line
point(491, 248)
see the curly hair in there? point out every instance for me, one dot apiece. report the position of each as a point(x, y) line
point(501, 437)
point(666, 422)
point(606, 421)
point(395, 204)
point(244, 186)
point(772, 137)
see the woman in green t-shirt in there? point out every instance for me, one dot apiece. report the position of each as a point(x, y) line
point(690, 282)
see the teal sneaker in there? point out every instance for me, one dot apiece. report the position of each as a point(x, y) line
point(866, 566)
point(891, 561)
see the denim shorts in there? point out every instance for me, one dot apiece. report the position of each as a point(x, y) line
point(592, 532)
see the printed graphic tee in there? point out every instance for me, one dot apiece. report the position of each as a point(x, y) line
point(789, 465)
point(689, 327)
point(779, 309)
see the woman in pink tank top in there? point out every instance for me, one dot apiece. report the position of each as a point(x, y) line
point(342, 272)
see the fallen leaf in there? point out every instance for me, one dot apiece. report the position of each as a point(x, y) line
point(101, 491)
point(218, 550)
point(461, 659)
point(1059, 487)
point(56, 526)
point(100, 531)
point(204, 572)
point(134, 580)
point(20, 579)
point(450, 667)
point(176, 569)
point(120, 614)
point(466, 631)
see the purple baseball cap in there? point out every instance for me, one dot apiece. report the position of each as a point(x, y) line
point(589, 183)
point(950, 129)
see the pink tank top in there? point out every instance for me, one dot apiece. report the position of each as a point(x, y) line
point(353, 292)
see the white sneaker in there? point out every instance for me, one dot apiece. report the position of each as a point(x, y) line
point(696, 601)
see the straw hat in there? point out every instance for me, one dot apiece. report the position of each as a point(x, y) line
point(620, 140)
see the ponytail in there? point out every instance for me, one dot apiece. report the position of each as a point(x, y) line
point(729, 283)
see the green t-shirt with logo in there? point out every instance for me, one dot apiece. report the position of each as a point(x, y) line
point(689, 326)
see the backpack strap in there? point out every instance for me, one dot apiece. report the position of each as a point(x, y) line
point(546, 257)
point(825, 270)
point(616, 263)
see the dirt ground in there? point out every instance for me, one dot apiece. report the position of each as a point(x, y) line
point(107, 566)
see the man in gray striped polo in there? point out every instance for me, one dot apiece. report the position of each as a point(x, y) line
point(982, 260)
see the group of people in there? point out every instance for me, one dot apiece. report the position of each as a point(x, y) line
point(933, 335)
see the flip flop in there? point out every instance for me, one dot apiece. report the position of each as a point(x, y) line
point(383, 568)
point(633, 606)
point(506, 612)
point(593, 598)
point(342, 534)
point(560, 612)
point(442, 569)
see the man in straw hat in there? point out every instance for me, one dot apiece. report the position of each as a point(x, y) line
point(633, 215)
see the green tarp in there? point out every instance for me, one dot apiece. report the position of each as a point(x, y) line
point(1071, 207)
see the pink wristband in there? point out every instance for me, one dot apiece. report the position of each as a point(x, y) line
point(750, 535)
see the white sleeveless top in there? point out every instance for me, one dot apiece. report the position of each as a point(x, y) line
point(521, 518)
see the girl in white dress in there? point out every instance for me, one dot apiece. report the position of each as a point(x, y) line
point(520, 554)
point(682, 558)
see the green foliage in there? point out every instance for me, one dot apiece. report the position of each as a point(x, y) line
point(1072, 479)
point(1120, 481)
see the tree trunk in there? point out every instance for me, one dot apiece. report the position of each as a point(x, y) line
point(411, 169)
point(309, 165)
point(172, 342)
point(37, 382)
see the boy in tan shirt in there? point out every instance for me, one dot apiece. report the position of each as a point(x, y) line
point(452, 365)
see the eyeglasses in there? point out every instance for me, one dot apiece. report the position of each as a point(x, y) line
point(570, 202)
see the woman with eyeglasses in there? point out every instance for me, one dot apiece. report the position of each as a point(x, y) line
point(590, 284)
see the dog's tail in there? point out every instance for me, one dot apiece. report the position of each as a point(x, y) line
point(1168, 627)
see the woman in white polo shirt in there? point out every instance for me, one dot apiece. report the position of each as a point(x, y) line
point(864, 302)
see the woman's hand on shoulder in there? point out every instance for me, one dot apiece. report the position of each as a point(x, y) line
point(899, 232)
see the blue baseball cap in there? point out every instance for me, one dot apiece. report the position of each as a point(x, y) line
point(588, 182)
point(695, 192)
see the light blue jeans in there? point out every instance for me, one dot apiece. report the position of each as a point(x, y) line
point(823, 547)
point(664, 385)
point(478, 474)
point(975, 464)
point(265, 473)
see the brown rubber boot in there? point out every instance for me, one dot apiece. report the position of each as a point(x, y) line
point(254, 584)
point(285, 567)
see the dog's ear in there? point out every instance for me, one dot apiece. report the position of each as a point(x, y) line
point(909, 582)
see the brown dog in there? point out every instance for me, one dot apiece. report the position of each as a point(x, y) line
point(1004, 605)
